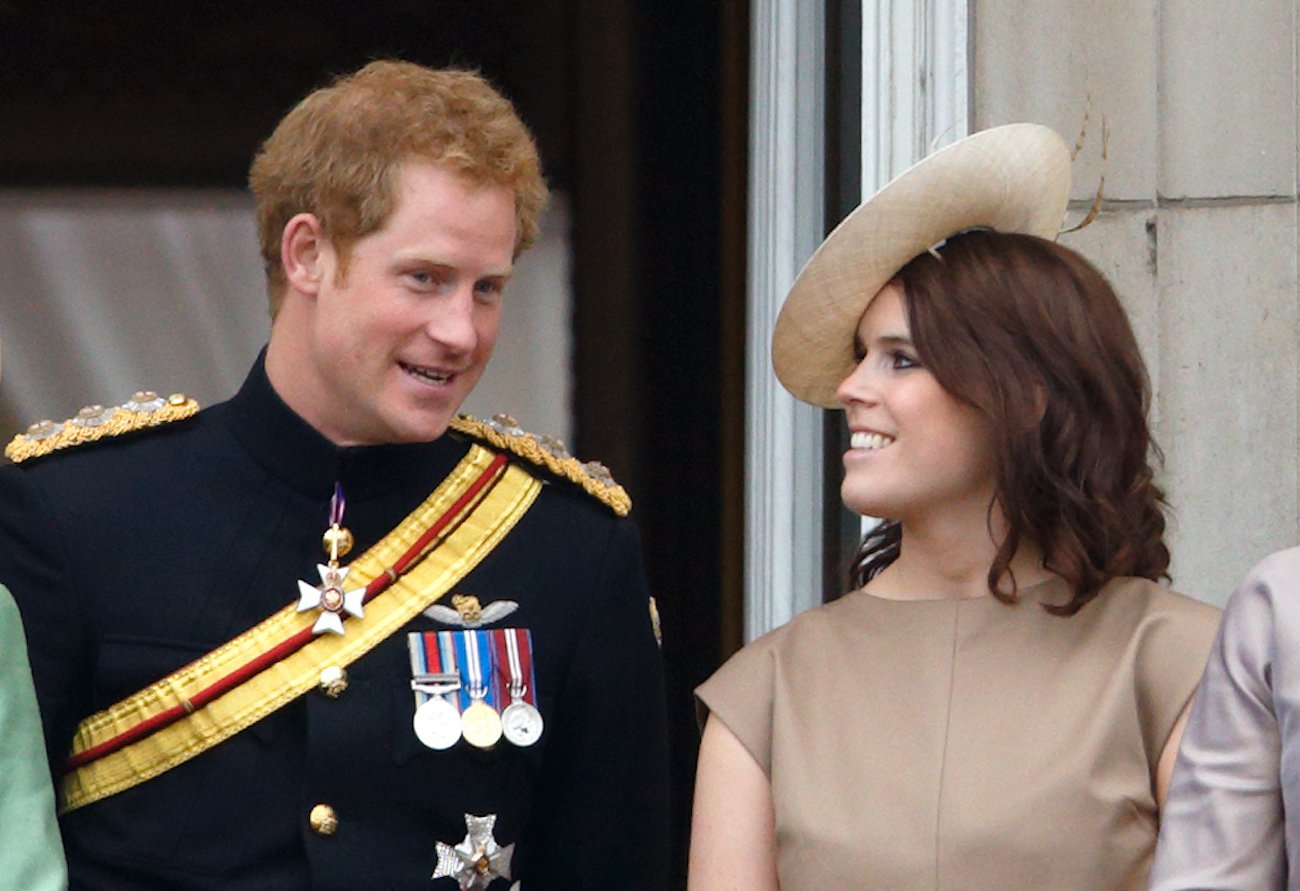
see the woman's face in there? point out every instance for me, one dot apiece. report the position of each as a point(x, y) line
point(916, 452)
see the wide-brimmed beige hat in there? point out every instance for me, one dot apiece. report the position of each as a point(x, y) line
point(1014, 178)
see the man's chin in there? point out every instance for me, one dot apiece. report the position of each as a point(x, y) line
point(421, 428)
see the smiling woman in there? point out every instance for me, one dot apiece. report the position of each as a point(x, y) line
point(1007, 671)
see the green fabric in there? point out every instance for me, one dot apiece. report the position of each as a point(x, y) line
point(31, 855)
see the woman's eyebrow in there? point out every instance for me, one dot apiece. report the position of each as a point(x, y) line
point(883, 340)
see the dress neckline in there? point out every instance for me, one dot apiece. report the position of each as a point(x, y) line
point(1051, 590)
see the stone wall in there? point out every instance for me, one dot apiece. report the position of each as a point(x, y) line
point(1198, 233)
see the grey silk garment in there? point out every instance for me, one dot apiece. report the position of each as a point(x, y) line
point(1232, 819)
point(940, 744)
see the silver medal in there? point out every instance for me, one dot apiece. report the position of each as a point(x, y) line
point(521, 723)
point(437, 724)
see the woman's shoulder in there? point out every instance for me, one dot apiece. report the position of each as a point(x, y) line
point(804, 639)
point(1146, 602)
point(1157, 632)
point(810, 630)
point(1167, 636)
point(744, 691)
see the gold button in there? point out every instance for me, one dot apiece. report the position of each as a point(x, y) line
point(333, 681)
point(323, 820)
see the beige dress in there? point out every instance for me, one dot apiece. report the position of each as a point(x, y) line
point(940, 744)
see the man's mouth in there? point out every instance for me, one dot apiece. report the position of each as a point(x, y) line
point(425, 373)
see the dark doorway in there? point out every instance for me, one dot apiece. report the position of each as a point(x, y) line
point(660, 160)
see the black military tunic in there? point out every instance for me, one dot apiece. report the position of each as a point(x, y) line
point(133, 556)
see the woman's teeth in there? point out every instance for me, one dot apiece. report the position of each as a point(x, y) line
point(870, 441)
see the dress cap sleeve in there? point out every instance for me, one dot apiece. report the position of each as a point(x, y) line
point(740, 695)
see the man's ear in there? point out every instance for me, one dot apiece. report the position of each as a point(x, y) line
point(303, 250)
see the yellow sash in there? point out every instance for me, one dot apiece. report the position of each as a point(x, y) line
point(473, 538)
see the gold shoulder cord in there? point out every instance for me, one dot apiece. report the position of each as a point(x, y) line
point(94, 422)
point(503, 432)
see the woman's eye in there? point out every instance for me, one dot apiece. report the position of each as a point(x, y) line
point(902, 360)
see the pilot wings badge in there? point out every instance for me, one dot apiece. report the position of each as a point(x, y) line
point(468, 613)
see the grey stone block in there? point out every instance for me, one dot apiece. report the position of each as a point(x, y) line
point(1228, 390)
point(1227, 98)
point(1041, 61)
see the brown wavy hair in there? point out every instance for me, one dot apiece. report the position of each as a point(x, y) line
point(336, 154)
point(1033, 336)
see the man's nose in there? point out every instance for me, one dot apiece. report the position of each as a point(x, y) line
point(451, 322)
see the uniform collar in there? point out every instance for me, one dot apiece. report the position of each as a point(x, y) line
point(295, 452)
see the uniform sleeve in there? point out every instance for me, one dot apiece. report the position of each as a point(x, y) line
point(602, 818)
point(740, 695)
point(32, 855)
point(1222, 827)
point(33, 568)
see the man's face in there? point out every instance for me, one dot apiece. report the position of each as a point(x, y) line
point(398, 342)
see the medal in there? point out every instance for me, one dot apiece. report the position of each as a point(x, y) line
point(479, 722)
point(437, 724)
point(329, 596)
point(437, 720)
point(477, 860)
point(480, 725)
point(521, 722)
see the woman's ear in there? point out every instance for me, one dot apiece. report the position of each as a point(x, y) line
point(1038, 390)
point(303, 250)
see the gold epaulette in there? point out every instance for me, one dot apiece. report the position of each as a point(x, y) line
point(145, 409)
point(502, 432)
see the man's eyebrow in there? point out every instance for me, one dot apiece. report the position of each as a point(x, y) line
point(420, 260)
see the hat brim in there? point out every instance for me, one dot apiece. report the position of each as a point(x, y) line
point(1014, 178)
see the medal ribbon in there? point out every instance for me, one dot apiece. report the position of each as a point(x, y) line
point(426, 659)
point(475, 655)
point(453, 663)
point(419, 664)
point(514, 649)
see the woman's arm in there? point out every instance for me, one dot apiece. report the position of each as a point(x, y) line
point(1168, 757)
point(733, 828)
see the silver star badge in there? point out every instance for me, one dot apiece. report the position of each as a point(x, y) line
point(330, 598)
point(477, 860)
